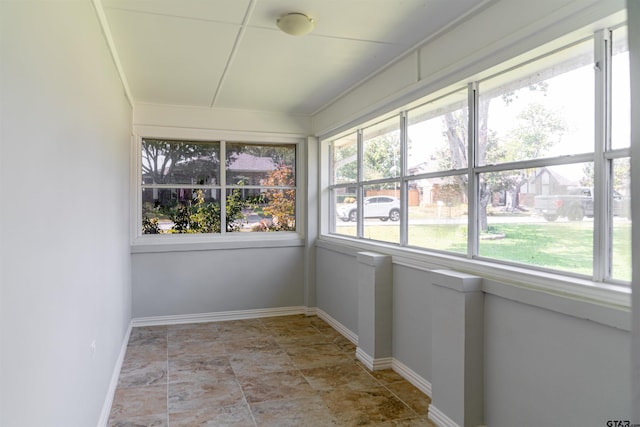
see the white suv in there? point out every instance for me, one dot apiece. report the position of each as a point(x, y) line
point(382, 207)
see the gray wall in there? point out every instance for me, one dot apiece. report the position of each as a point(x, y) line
point(412, 319)
point(211, 281)
point(337, 286)
point(542, 367)
point(64, 244)
point(549, 360)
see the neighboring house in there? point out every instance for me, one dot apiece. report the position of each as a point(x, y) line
point(547, 181)
point(251, 168)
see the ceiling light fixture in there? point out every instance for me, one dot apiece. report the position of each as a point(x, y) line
point(296, 24)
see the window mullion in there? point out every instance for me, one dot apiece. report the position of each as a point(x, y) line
point(602, 250)
point(473, 190)
point(332, 189)
point(360, 187)
point(223, 187)
point(404, 190)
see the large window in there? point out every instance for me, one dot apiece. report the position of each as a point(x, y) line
point(182, 184)
point(529, 166)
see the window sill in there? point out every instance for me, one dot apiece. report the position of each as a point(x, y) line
point(182, 243)
point(604, 303)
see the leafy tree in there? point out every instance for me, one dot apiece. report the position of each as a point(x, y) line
point(281, 203)
point(345, 163)
point(537, 130)
point(382, 156)
point(150, 226)
point(621, 175)
point(199, 216)
point(161, 159)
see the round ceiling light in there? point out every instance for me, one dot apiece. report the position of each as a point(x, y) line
point(296, 24)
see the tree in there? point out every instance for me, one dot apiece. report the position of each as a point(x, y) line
point(382, 156)
point(381, 159)
point(281, 202)
point(161, 159)
point(456, 124)
point(621, 175)
point(345, 163)
point(537, 130)
point(199, 216)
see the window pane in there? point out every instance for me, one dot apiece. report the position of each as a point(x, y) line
point(621, 237)
point(267, 209)
point(249, 164)
point(180, 210)
point(543, 109)
point(621, 89)
point(382, 150)
point(437, 135)
point(345, 164)
point(438, 213)
point(180, 162)
point(541, 217)
point(381, 207)
point(346, 209)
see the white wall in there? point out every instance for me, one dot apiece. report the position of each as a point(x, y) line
point(220, 119)
point(65, 264)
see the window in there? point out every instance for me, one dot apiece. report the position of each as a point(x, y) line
point(619, 166)
point(437, 150)
point(512, 169)
point(182, 187)
point(536, 142)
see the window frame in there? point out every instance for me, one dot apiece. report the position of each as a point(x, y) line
point(142, 243)
point(602, 156)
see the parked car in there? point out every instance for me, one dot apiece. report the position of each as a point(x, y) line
point(576, 204)
point(382, 207)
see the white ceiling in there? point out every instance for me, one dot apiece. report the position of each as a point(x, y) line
point(230, 54)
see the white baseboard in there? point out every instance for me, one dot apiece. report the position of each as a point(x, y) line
point(337, 326)
point(218, 316)
point(408, 374)
point(113, 384)
point(371, 363)
point(440, 418)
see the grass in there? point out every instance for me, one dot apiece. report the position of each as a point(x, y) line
point(559, 246)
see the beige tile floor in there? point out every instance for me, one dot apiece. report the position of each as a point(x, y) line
point(277, 371)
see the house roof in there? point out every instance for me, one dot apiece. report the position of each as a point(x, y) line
point(249, 163)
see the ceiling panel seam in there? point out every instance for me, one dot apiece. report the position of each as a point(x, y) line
point(234, 51)
point(102, 19)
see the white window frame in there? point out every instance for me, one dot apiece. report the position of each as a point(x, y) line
point(602, 157)
point(142, 243)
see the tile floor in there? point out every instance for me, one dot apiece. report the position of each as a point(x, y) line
point(277, 371)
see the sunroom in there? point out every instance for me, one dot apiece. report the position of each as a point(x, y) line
point(447, 184)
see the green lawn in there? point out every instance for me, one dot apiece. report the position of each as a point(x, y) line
point(559, 246)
